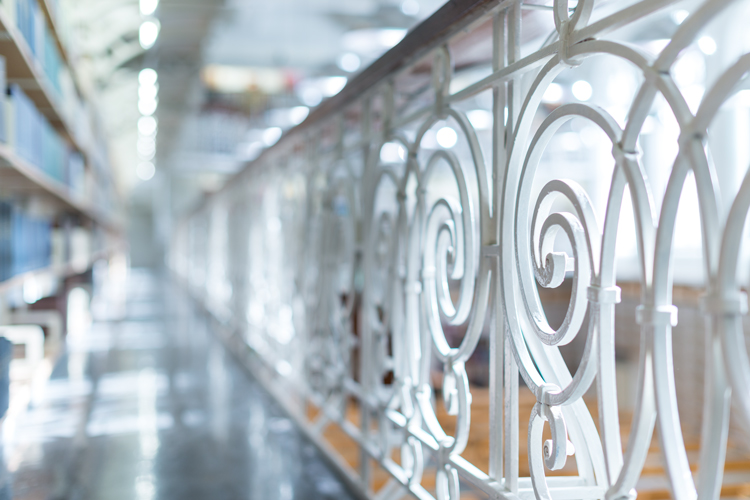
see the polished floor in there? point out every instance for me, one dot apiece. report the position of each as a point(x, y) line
point(152, 407)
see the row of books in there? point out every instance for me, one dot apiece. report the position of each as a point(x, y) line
point(29, 132)
point(25, 240)
point(30, 22)
point(35, 140)
point(52, 61)
point(38, 35)
point(29, 240)
point(33, 26)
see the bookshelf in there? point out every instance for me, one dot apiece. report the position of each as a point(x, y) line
point(51, 148)
point(19, 176)
point(58, 272)
point(23, 68)
point(51, 18)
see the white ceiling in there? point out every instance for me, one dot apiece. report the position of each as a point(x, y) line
point(298, 33)
point(305, 36)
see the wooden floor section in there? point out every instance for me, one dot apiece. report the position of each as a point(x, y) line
point(652, 486)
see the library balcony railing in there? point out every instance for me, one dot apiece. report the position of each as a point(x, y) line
point(461, 274)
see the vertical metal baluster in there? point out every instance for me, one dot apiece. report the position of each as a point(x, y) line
point(511, 369)
point(366, 343)
point(497, 322)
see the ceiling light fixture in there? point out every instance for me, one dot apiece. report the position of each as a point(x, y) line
point(145, 170)
point(679, 16)
point(148, 33)
point(480, 119)
point(147, 92)
point(148, 7)
point(391, 36)
point(446, 137)
point(332, 85)
point(707, 45)
point(310, 96)
point(146, 146)
point(392, 152)
point(148, 77)
point(298, 114)
point(553, 94)
point(147, 107)
point(147, 125)
point(371, 42)
point(271, 135)
point(582, 90)
point(410, 7)
point(349, 62)
point(249, 151)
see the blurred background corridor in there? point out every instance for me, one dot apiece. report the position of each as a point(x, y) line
point(119, 117)
point(152, 406)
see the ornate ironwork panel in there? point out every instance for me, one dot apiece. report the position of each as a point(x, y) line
point(499, 186)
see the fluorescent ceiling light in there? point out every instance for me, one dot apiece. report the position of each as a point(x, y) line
point(147, 125)
point(553, 94)
point(145, 170)
point(312, 90)
point(146, 146)
point(309, 95)
point(582, 90)
point(148, 77)
point(298, 114)
point(148, 7)
point(372, 42)
point(679, 16)
point(271, 135)
point(689, 69)
point(742, 98)
point(286, 117)
point(389, 37)
point(147, 107)
point(480, 119)
point(147, 157)
point(148, 33)
point(237, 79)
point(446, 137)
point(392, 152)
point(147, 92)
point(349, 62)
point(249, 151)
point(410, 7)
point(332, 85)
point(707, 45)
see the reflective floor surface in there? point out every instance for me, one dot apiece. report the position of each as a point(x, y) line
point(153, 407)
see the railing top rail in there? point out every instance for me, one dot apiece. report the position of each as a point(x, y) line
point(452, 17)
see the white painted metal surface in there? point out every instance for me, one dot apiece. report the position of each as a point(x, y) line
point(350, 254)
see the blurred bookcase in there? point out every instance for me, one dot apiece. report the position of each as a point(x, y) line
point(58, 202)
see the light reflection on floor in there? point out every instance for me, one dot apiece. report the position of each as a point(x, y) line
point(152, 407)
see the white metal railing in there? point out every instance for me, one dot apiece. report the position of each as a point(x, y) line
point(430, 207)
